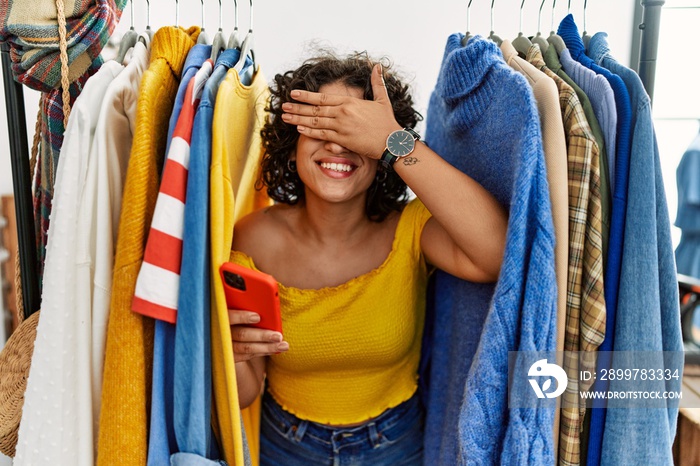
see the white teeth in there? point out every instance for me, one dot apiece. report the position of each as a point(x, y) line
point(336, 167)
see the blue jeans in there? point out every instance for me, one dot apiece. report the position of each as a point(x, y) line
point(393, 438)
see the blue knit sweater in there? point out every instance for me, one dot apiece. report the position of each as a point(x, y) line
point(482, 119)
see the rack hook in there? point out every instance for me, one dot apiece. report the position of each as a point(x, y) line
point(469, 18)
point(250, 27)
point(131, 3)
point(467, 35)
point(554, 4)
point(539, 17)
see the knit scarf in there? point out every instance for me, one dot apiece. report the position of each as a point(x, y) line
point(31, 30)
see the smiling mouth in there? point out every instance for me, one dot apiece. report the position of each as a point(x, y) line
point(337, 167)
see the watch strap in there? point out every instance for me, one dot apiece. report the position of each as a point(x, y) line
point(415, 135)
point(389, 158)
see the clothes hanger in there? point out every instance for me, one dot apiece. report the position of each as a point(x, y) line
point(129, 39)
point(521, 43)
point(538, 39)
point(177, 13)
point(493, 35)
point(555, 39)
point(219, 43)
point(467, 35)
point(148, 32)
point(203, 37)
point(233, 41)
point(585, 37)
point(247, 46)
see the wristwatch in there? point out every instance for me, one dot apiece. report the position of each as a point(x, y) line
point(399, 144)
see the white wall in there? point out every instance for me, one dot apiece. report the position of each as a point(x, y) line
point(411, 32)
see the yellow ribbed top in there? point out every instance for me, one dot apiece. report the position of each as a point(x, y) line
point(236, 157)
point(355, 347)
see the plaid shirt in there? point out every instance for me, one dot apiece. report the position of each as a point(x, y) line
point(585, 305)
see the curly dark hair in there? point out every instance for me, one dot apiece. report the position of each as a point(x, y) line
point(386, 193)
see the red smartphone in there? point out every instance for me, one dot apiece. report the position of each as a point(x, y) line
point(252, 290)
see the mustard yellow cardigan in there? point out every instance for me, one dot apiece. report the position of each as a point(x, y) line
point(123, 436)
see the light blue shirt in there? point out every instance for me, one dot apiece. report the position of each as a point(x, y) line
point(648, 314)
point(193, 384)
point(161, 441)
point(688, 214)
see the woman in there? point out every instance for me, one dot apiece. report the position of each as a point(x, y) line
point(351, 256)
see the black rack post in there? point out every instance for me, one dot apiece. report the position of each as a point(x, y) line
point(19, 155)
point(650, 43)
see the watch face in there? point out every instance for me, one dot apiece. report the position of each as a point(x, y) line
point(400, 143)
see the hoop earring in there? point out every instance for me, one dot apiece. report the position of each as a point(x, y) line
point(381, 176)
point(291, 166)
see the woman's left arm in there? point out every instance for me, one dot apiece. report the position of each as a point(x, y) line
point(466, 235)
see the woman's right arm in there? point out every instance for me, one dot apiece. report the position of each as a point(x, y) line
point(251, 346)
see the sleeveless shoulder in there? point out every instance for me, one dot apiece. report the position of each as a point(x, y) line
point(410, 227)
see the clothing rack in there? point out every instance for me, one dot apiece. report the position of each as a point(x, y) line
point(19, 153)
point(650, 43)
point(22, 185)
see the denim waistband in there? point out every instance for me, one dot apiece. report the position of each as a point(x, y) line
point(401, 416)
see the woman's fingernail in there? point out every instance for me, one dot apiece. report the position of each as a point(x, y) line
point(296, 93)
point(286, 116)
point(276, 337)
point(254, 319)
point(286, 106)
point(301, 128)
point(284, 346)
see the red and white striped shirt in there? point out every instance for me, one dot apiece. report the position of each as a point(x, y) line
point(158, 283)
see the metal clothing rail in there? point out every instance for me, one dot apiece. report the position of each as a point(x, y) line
point(19, 153)
point(22, 185)
point(650, 43)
